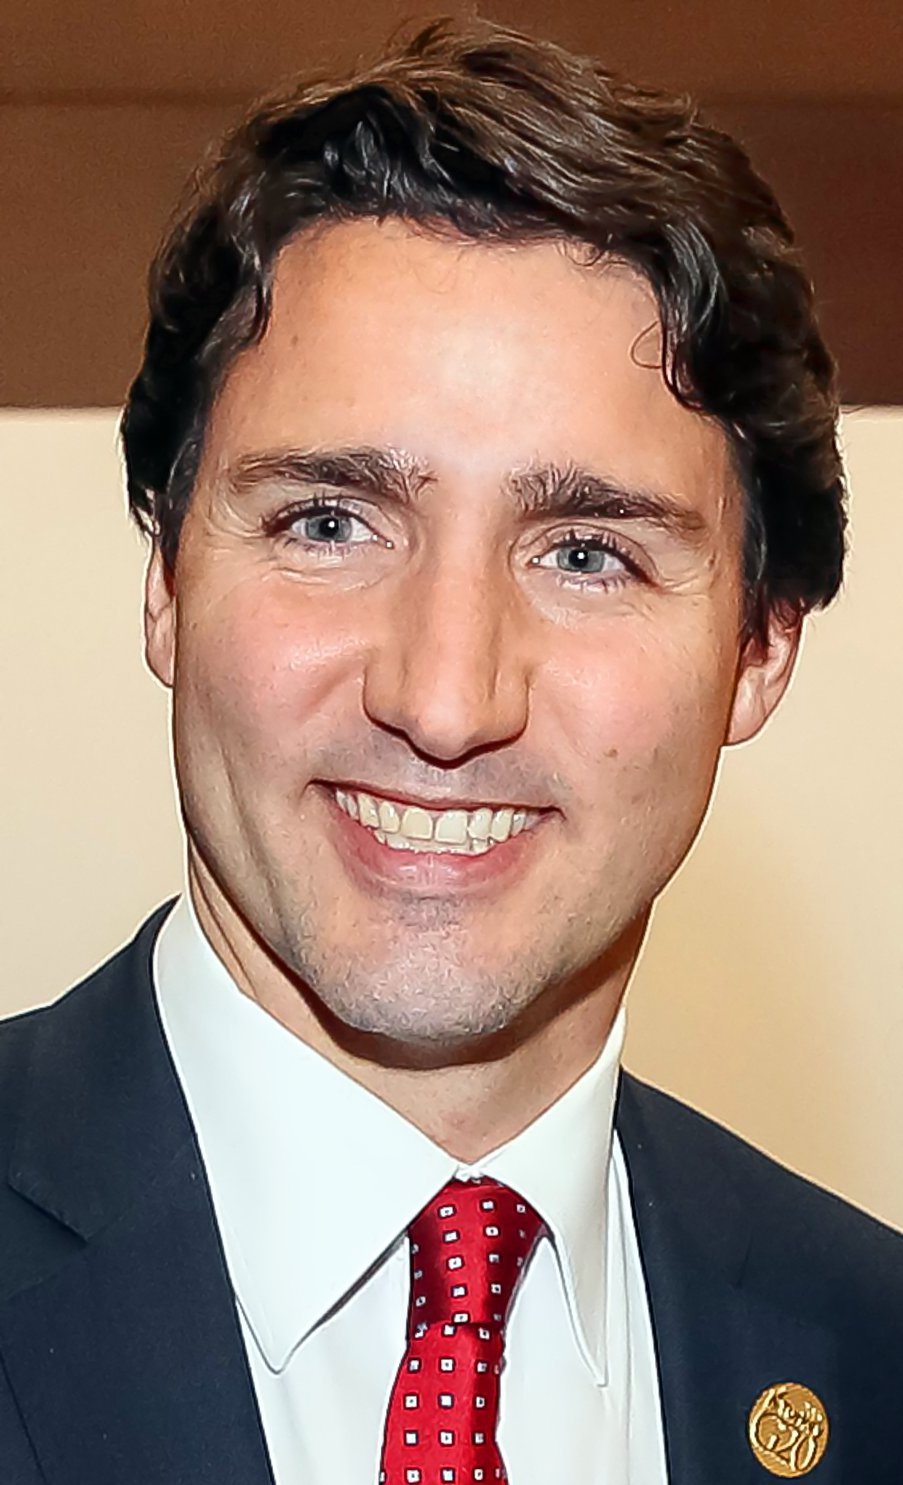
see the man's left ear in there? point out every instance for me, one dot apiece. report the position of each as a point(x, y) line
point(766, 665)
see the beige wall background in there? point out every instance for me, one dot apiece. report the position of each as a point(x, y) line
point(769, 994)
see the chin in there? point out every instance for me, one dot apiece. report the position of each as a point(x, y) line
point(371, 1020)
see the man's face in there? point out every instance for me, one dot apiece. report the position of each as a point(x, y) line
point(520, 607)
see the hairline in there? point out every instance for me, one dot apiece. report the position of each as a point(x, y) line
point(253, 302)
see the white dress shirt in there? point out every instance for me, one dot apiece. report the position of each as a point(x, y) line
point(314, 1181)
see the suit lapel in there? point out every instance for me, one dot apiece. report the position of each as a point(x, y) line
point(123, 1348)
point(719, 1342)
point(118, 1331)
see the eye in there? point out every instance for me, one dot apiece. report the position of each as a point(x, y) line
point(585, 557)
point(321, 524)
point(329, 527)
point(596, 558)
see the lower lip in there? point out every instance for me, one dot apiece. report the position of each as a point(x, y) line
point(428, 872)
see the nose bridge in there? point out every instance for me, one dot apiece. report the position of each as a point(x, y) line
point(451, 671)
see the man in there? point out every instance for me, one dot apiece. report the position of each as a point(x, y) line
point(487, 443)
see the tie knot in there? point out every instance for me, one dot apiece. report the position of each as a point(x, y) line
point(469, 1247)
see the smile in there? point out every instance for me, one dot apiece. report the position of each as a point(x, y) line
point(459, 832)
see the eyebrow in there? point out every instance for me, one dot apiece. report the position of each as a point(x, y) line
point(545, 489)
point(540, 489)
point(389, 474)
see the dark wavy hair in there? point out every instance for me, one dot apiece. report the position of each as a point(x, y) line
point(480, 130)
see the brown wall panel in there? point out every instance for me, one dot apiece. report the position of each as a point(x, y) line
point(838, 169)
point(88, 186)
point(805, 49)
point(91, 189)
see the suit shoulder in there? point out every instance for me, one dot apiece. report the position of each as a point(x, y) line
point(56, 1064)
point(793, 1221)
point(64, 1017)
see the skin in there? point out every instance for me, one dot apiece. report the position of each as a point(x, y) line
point(452, 647)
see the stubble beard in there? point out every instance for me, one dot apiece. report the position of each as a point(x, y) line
point(426, 1000)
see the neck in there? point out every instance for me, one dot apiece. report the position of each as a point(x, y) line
point(467, 1107)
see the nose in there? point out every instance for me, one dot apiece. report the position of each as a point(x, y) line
point(450, 670)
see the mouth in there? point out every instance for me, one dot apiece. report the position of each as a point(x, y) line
point(396, 843)
point(401, 826)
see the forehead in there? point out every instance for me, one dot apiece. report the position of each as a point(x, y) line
point(473, 357)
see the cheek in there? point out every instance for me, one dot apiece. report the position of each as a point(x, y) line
point(257, 667)
point(648, 716)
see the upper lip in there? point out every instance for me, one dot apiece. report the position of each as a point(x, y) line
point(449, 803)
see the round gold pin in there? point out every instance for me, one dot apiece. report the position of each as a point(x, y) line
point(788, 1429)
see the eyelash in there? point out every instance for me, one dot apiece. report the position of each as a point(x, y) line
point(607, 544)
point(280, 523)
point(280, 526)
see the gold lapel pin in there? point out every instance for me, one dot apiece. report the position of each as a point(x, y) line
point(788, 1429)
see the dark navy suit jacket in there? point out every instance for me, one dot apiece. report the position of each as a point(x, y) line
point(121, 1358)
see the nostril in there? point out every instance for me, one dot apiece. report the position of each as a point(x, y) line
point(445, 713)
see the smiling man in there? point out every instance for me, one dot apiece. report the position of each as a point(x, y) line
point(486, 441)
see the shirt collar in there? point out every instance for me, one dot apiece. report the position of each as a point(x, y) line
point(560, 1163)
point(283, 1132)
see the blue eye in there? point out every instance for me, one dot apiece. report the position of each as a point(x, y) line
point(585, 557)
point(596, 558)
point(327, 527)
point(319, 525)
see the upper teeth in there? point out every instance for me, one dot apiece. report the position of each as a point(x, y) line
point(411, 828)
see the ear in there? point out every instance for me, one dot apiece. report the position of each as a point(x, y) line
point(766, 666)
point(160, 619)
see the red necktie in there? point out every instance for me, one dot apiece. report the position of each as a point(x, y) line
point(469, 1246)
